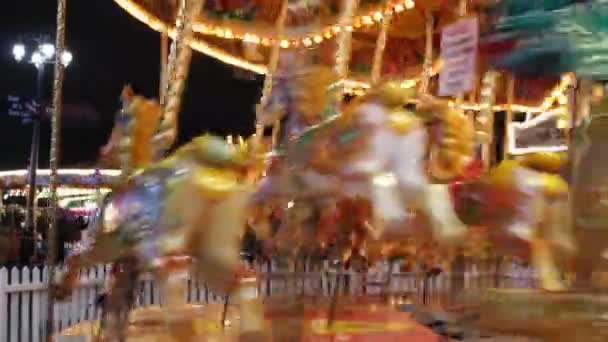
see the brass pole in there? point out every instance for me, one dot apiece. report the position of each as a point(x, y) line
point(164, 58)
point(273, 62)
point(485, 118)
point(345, 41)
point(462, 11)
point(342, 69)
point(178, 69)
point(381, 45)
point(508, 115)
point(428, 52)
point(54, 158)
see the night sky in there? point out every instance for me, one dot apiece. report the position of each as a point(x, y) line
point(110, 49)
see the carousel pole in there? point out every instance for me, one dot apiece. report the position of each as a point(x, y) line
point(164, 58)
point(375, 79)
point(381, 45)
point(508, 115)
point(54, 158)
point(428, 52)
point(484, 121)
point(344, 45)
point(177, 72)
point(172, 91)
point(342, 69)
point(458, 264)
point(462, 12)
point(267, 87)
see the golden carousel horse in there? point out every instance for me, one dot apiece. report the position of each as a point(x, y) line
point(187, 211)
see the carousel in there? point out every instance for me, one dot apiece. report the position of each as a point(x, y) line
point(71, 183)
point(384, 146)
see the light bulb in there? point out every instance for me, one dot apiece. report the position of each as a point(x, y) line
point(19, 52)
point(66, 58)
point(48, 50)
point(37, 58)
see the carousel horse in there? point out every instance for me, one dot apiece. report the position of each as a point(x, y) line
point(187, 210)
point(525, 205)
point(374, 150)
point(141, 135)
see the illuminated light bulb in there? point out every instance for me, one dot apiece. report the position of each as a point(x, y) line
point(399, 8)
point(358, 24)
point(562, 100)
point(451, 103)
point(48, 50)
point(307, 42)
point(19, 52)
point(349, 28)
point(284, 44)
point(317, 39)
point(37, 58)
point(409, 4)
point(377, 16)
point(66, 58)
point(327, 35)
point(367, 20)
point(229, 34)
point(336, 29)
point(255, 39)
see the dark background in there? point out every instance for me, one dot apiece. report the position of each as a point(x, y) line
point(110, 49)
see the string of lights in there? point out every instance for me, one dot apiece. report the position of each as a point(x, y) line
point(352, 87)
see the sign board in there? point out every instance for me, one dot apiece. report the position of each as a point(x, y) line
point(539, 134)
point(459, 54)
point(22, 107)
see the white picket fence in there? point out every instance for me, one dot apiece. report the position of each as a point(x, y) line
point(23, 292)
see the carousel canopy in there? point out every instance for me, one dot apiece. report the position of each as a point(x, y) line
point(241, 33)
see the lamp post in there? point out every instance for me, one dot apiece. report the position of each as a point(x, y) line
point(43, 53)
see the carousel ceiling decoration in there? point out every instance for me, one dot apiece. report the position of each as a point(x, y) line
point(241, 33)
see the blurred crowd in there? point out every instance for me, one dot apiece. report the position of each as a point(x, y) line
point(21, 245)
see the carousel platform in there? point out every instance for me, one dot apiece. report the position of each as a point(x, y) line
point(286, 321)
point(556, 317)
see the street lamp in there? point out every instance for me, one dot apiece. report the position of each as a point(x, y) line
point(43, 54)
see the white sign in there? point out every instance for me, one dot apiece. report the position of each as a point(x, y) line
point(539, 134)
point(459, 54)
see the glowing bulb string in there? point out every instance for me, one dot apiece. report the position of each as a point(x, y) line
point(328, 32)
point(156, 24)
